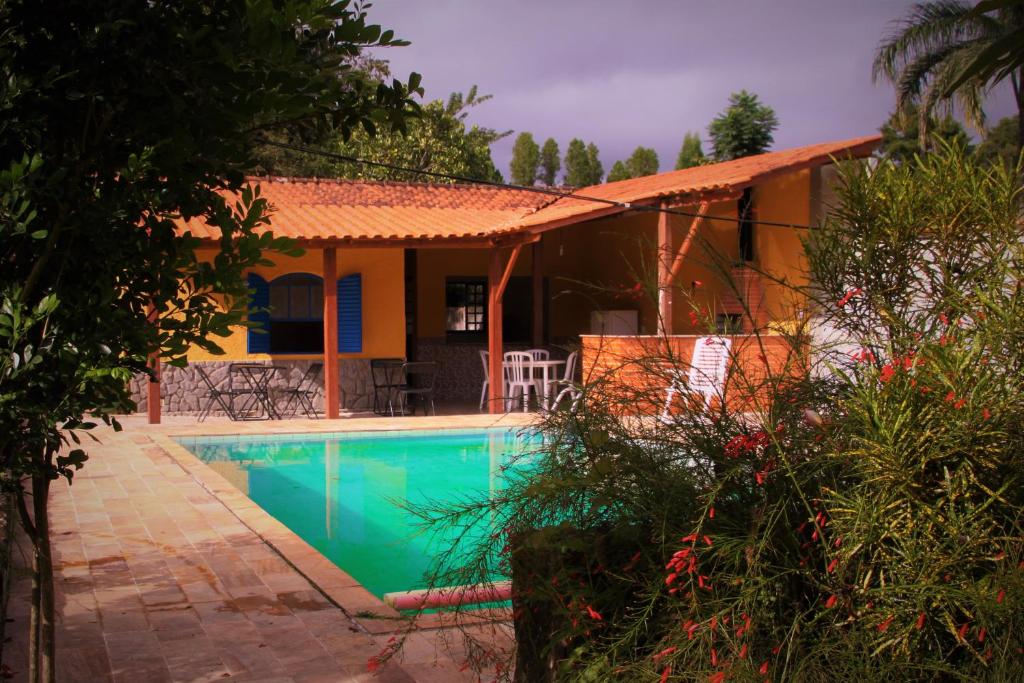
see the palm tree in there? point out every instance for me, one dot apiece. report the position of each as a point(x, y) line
point(931, 55)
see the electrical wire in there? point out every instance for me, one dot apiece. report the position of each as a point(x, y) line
point(558, 194)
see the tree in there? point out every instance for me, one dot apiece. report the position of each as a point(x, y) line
point(618, 172)
point(525, 160)
point(743, 129)
point(550, 164)
point(116, 118)
point(690, 154)
point(437, 141)
point(594, 168)
point(1000, 143)
point(938, 51)
point(901, 139)
point(643, 161)
point(577, 165)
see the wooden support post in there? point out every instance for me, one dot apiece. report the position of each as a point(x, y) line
point(332, 402)
point(538, 294)
point(498, 274)
point(677, 263)
point(664, 268)
point(153, 393)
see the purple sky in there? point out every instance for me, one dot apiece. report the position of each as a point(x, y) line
point(644, 72)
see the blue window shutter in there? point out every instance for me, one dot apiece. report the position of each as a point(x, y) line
point(259, 342)
point(350, 313)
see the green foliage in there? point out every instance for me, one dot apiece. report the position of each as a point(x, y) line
point(643, 161)
point(618, 172)
point(862, 519)
point(938, 52)
point(745, 128)
point(550, 164)
point(525, 160)
point(901, 139)
point(594, 164)
point(436, 140)
point(576, 173)
point(1000, 143)
point(691, 153)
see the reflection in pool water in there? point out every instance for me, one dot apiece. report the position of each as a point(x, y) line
point(340, 492)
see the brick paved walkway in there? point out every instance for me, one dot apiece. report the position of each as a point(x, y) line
point(156, 580)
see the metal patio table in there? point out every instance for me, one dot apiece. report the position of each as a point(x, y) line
point(257, 378)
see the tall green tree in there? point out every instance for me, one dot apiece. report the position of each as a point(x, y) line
point(691, 153)
point(525, 160)
point(901, 134)
point(550, 164)
point(643, 161)
point(744, 128)
point(1000, 143)
point(577, 165)
point(932, 54)
point(594, 168)
point(618, 172)
point(116, 118)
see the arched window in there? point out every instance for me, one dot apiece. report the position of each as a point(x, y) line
point(297, 314)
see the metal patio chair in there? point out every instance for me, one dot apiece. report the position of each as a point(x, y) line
point(216, 397)
point(302, 394)
point(386, 375)
point(419, 385)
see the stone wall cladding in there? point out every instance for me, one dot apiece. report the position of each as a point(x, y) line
point(184, 393)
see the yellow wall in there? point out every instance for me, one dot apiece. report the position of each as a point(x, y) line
point(778, 251)
point(383, 302)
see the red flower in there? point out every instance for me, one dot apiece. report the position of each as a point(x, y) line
point(981, 636)
point(920, 621)
point(832, 565)
point(717, 677)
point(986, 413)
point(999, 598)
point(697, 283)
point(830, 603)
point(665, 673)
point(711, 513)
point(372, 664)
point(594, 614)
point(888, 372)
point(714, 657)
point(743, 651)
point(950, 397)
point(764, 668)
point(707, 539)
point(963, 631)
point(694, 320)
point(664, 653)
point(849, 295)
point(884, 626)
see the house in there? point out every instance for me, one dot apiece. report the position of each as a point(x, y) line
point(421, 270)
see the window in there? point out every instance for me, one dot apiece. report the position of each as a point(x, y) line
point(465, 307)
point(297, 314)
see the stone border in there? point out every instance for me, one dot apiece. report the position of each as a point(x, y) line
point(365, 609)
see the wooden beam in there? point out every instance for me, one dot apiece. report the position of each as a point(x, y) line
point(153, 389)
point(153, 393)
point(495, 344)
point(664, 283)
point(332, 398)
point(507, 274)
point(677, 263)
point(537, 263)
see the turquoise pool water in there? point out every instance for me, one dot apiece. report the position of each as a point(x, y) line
point(340, 492)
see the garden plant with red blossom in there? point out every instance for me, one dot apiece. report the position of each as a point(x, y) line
point(863, 523)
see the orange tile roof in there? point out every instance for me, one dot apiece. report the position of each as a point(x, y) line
point(393, 212)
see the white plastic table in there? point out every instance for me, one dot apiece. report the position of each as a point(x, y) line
point(547, 376)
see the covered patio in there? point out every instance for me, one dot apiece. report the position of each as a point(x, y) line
point(422, 272)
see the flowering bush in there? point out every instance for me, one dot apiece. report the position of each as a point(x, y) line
point(863, 523)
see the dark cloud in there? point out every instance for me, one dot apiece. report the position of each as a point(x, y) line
point(645, 72)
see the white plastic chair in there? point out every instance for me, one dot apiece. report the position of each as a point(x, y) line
point(566, 386)
point(706, 375)
point(519, 375)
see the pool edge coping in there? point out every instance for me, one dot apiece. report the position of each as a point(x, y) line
point(333, 582)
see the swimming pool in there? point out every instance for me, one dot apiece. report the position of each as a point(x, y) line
point(342, 492)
